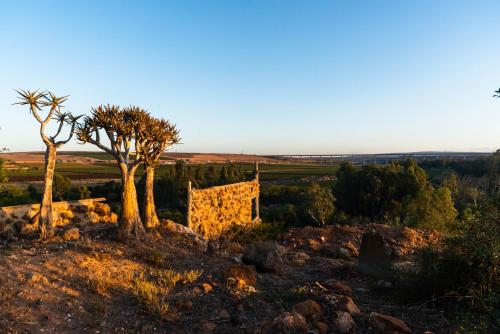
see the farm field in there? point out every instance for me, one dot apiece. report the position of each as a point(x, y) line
point(287, 173)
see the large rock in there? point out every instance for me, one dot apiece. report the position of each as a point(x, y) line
point(287, 323)
point(244, 275)
point(181, 230)
point(387, 324)
point(374, 259)
point(308, 308)
point(266, 256)
point(344, 303)
point(344, 323)
point(72, 234)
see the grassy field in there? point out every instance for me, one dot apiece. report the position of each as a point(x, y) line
point(268, 172)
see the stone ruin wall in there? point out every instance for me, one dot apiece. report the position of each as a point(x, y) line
point(211, 211)
point(84, 211)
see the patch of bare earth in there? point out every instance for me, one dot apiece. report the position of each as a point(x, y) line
point(172, 284)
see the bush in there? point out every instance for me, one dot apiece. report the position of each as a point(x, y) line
point(61, 187)
point(253, 233)
point(14, 196)
point(319, 204)
point(466, 267)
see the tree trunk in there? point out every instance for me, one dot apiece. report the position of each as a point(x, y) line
point(150, 216)
point(130, 219)
point(46, 220)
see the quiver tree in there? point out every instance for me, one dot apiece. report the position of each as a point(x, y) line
point(38, 102)
point(154, 136)
point(117, 125)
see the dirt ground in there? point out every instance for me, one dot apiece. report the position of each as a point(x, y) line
point(90, 285)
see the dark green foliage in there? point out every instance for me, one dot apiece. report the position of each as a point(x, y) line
point(279, 213)
point(279, 194)
point(84, 192)
point(61, 187)
point(464, 272)
point(398, 193)
point(258, 232)
point(110, 190)
point(15, 196)
point(296, 206)
point(318, 204)
point(3, 173)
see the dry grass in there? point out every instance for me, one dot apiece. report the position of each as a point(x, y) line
point(151, 294)
point(169, 278)
point(103, 273)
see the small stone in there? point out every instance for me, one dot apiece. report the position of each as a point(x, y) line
point(288, 322)
point(315, 245)
point(339, 287)
point(266, 256)
point(388, 324)
point(206, 287)
point(321, 327)
point(384, 284)
point(72, 234)
point(208, 326)
point(308, 308)
point(352, 248)
point(346, 304)
point(344, 252)
point(34, 278)
point(172, 316)
point(223, 314)
point(344, 322)
point(185, 305)
point(299, 258)
point(410, 234)
point(245, 275)
point(235, 247)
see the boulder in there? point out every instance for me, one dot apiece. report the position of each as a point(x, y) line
point(308, 308)
point(102, 209)
point(244, 275)
point(287, 323)
point(181, 230)
point(344, 323)
point(71, 234)
point(373, 259)
point(387, 324)
point(266, 256)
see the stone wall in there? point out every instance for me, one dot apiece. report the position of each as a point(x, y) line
point(213, 210)
point(84, 211)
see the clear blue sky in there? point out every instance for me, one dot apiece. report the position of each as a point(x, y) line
point(265, 76)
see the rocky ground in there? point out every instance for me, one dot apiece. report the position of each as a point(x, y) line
point(307, 281)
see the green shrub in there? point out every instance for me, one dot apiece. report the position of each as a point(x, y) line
point(465, 269)
point(14, 196)
point(318, 206)
point(257, 232)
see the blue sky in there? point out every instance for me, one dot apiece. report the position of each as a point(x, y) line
point(265, 76)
